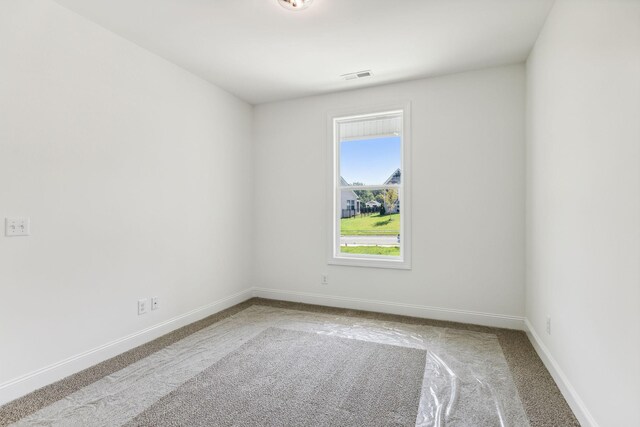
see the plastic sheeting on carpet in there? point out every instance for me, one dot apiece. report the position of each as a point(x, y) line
point(293, 378)
point(466, 382)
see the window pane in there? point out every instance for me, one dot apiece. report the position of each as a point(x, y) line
point(370, 161)
point(373, 226)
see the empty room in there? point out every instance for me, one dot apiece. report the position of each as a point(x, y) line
point(320, 213)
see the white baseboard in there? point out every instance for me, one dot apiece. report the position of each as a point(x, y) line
point(437, 313)
point(27, 383)
point(571, 396)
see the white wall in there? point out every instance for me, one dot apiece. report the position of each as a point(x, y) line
point(583, 224)
point(468, 200)
point(137, 179)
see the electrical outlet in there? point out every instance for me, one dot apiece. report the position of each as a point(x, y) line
point(143, 306)
point(16, 227)
point(549, 325)
point(155, 304)
point(324, 279)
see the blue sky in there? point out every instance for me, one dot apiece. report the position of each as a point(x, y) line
point(370, 161)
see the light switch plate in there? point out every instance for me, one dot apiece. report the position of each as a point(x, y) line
point(16, 227)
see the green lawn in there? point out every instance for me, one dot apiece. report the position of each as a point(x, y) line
point(370, 225)
point(371, 250)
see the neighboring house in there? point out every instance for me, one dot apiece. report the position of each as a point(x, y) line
point(350, 203)
point(394, 179)
point(373, 204)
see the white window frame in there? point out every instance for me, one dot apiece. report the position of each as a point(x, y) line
point(335, 257)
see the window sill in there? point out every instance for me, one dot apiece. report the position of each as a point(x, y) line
point(370, 263)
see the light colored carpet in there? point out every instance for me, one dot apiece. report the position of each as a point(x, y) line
point(292, 378)
point(468, 380)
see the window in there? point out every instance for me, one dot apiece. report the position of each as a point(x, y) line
point(369, 180)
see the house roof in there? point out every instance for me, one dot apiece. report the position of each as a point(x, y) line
point(344, 182)
point(394, 178)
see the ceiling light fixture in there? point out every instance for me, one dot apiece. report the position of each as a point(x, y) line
point(295, 4)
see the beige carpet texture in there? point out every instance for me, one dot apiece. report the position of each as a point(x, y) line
point(293, 378)
point(272, 363)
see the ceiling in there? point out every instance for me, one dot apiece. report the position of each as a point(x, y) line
point(261, 52)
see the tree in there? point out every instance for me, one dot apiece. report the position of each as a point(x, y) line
point(390, 199)
point(379, 196)
point(364, 195)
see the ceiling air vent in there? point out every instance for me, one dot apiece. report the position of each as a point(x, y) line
point(357, 75)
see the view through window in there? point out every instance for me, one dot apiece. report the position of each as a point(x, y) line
point(369, 186)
